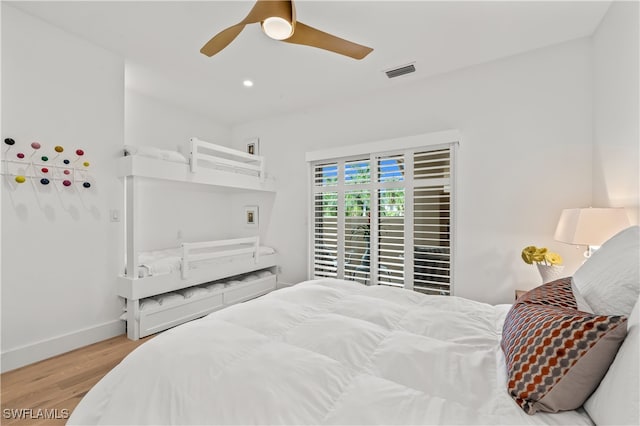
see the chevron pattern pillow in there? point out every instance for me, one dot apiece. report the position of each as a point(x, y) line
point(556, 355)
point(555, 293)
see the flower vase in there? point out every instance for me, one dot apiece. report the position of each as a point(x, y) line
point(550, 272)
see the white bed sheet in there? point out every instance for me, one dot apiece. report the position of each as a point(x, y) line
point(321, 352)
point(167, 261)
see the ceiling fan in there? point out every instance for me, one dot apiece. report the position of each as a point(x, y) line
point(278, 21)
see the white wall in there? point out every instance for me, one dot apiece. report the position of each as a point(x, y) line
point(155, 122)
point(171, 212)
point(616, 124)
point(60, 251)
point(526, 155)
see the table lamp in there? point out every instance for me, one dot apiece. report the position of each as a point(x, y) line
point(590, 227)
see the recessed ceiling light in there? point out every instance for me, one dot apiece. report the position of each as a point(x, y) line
point(247, 83)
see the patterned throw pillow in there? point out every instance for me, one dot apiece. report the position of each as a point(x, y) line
point(555, 293)
point(556, 355)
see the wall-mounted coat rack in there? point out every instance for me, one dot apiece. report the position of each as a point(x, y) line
point(45, 169)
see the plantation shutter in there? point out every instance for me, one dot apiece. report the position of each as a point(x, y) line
point(385, 219)
point(432, 221)
point(325, 211)
point(356, 212)
point(391, 219)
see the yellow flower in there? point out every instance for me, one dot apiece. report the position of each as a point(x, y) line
point(553, 258)
point(531, 254)
point(539, 255)
point(527, 254)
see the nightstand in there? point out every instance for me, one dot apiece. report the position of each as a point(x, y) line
point(520, 293)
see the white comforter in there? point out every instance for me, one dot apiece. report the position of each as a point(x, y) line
point(321, 352)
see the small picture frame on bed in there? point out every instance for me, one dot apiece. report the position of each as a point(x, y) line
point(253, 146)
point(251, 216)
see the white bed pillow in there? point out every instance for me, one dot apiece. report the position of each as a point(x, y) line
point(264, 274)
point(193, 292)
point(610, 279)
point(580, 302)
point(216, 286)
point(170, 299)
point(616, 401)
point(266, 250)
point(148, 303)
point(153, 152)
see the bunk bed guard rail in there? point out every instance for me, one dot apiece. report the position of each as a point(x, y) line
point(209, 250)
point(236, 160)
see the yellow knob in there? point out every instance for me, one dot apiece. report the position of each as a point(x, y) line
point(20, 179)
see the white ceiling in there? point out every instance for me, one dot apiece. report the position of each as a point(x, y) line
point(160, 42)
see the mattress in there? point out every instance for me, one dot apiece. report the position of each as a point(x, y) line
point(157, 153)
point(167, 261)
point(321, 352)
point(206, 160)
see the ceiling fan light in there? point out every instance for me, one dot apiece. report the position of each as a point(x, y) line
point(277, 28)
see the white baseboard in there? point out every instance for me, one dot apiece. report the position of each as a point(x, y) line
point(283, 285)
point(34, 352)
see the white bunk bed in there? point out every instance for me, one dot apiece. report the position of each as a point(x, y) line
point(207, 163)
point(168, 287)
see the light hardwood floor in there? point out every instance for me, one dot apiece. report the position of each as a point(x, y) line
point(53, 387)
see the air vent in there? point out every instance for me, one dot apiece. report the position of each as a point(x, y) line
point(407, 69)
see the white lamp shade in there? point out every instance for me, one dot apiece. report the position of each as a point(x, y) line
point(590, 227)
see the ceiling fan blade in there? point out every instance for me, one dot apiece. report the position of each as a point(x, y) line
point(222, 40)
point(310, 36)
point(262, 10)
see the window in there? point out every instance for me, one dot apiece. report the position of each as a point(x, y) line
point(325, 211)
point(385, 219)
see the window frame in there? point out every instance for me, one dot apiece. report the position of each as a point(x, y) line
point(405, 147)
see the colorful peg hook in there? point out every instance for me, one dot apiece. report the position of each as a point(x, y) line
point(59, 150)
point(36, 146)
point(9, 142)
point(79, 153)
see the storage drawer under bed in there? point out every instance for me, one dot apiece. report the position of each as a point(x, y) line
point(240, 292)
point(156, 319)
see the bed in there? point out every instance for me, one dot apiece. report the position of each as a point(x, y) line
point(172, 286)
point(207, 163)
point(334, 352)
point(167, 287)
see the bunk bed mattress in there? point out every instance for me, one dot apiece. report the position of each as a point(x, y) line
point(167, 261)
point(321, 352)
point(156, 153)
point(177, 157)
